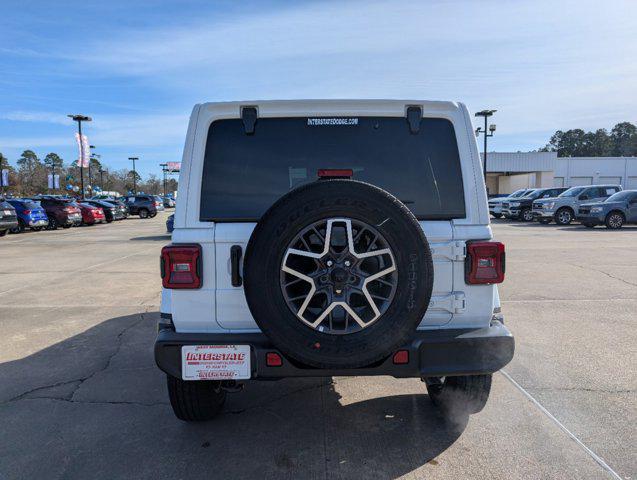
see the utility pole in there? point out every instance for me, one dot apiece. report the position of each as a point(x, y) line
point(101, 178)
point(486, 114)
point(1, 177)
point(79, 119)
point(164, 169)
point(134, 175)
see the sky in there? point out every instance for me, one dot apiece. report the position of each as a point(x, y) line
point(138, 67)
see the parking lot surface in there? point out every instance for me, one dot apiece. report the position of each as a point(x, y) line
point(80, 396)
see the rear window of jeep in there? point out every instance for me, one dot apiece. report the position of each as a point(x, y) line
point(243, 175)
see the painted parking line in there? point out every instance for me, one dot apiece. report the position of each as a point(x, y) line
point(600, 461)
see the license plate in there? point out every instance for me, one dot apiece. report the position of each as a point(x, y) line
point(215, 362)
point(7, 212)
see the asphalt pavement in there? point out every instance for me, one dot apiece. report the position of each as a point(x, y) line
point(81, 397)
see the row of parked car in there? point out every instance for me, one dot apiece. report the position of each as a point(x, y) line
point(53, 211)
point(591, 205)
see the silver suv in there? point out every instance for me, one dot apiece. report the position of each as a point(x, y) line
point(564, 208)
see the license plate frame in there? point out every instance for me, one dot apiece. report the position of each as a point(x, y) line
point(215, 362)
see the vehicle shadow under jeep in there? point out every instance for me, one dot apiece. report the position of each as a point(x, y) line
point(95, 406)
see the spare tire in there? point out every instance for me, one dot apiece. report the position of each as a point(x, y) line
point(338, 274)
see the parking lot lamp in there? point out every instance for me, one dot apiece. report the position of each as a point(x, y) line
point(134, 174)
point(164, 169)
point(487, 133)
point(79, 119)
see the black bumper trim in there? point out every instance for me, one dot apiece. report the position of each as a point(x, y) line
point(431, 353)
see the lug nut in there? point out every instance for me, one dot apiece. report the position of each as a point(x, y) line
point(330, 263)
point(347, 263)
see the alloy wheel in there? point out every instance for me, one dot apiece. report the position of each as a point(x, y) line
point(338, 275)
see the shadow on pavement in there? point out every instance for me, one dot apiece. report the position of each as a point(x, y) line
point(95, 406)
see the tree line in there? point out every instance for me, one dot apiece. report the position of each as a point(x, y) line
point(31, 177)
point(621, 141)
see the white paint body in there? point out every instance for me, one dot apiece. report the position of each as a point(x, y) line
point(220, 307)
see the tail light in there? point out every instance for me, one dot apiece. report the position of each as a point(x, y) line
point(68, 209)
point(485, 263)
point(26, 212)
point(181, 266)
point(335, 173)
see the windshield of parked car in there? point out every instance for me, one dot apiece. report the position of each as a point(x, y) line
point(621, 196)
point(573, 192)
point(30, 204)
point(518, 193)
point(243, 175)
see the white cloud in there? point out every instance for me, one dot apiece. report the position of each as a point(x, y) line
point(38, 117)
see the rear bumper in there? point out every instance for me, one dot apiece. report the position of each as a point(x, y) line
point(7, 224)
point(432, 353)
point(38, 223)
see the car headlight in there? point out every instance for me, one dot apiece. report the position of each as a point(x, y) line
point(596, 209)
point(549, 205)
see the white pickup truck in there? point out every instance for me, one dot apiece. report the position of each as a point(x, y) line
point(331, 237)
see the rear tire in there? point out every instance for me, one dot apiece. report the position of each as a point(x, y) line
point(195, 401)
point(143, 213)
point(3, 233)
point(20, 228)
point(614, 220)
point(53, 224)
point(458, 397)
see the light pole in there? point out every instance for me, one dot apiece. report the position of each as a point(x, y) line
point(79, 119)
point(486, 114)
point(164, 169)
point(134, 174)
point(101, 178)
point(1, 177)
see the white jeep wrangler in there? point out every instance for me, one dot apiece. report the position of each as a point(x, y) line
point(331, 237)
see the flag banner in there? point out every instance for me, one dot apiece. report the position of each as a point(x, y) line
point(5, 178)
point(173, 166)
point(84, 150)
point(54, 181)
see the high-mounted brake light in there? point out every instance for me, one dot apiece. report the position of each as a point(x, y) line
point(181, 266)
point(485, 263)
point(335, 173)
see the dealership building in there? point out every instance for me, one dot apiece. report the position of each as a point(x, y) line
point(511, 171)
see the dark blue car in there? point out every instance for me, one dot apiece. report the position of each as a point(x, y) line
point(613, 212)
point(30, 215)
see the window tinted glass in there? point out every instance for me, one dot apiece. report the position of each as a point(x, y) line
point(244, 175)
point(621, 196)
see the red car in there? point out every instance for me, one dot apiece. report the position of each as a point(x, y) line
point(91, 215)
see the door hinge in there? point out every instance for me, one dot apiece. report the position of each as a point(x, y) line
point(456, 251)
point(249, 117)
point(452, 303)
point(414, 116)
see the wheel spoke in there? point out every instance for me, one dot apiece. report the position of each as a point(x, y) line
point(336, 273)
